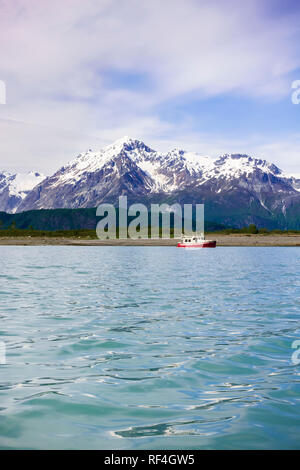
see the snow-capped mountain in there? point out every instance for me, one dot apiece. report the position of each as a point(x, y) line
point(15, 187)
point(236, 188)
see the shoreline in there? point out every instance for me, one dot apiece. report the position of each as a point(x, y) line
point(222, 240)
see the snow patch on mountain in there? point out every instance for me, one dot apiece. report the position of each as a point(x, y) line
point(15, 187)
point(20, 183)
point(235, 165)
point(162, 168)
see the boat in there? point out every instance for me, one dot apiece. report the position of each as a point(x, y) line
point(196, 241)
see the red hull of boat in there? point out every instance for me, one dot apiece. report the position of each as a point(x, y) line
point(205, 244)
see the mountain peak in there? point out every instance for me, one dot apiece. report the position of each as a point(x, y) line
point(126, 140)
point(238, 162)
point(123, 140)
point(127, 144)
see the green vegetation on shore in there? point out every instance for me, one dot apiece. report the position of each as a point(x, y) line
point(91, 233)
point(253, 230)
point(81, 233)
point(81, 223)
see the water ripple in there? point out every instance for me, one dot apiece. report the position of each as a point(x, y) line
point(151, 347)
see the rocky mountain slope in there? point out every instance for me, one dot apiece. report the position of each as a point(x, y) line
point(15, 187)
point(236, 189)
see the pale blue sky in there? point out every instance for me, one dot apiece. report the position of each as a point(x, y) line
point(209, 76)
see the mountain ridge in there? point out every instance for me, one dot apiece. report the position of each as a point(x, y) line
point(238, 182)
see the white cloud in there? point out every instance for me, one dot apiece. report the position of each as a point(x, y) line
point(58, 56)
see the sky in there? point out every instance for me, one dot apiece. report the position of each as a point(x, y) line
point(211, 76)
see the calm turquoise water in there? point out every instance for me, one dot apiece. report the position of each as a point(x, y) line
point(149, 347)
